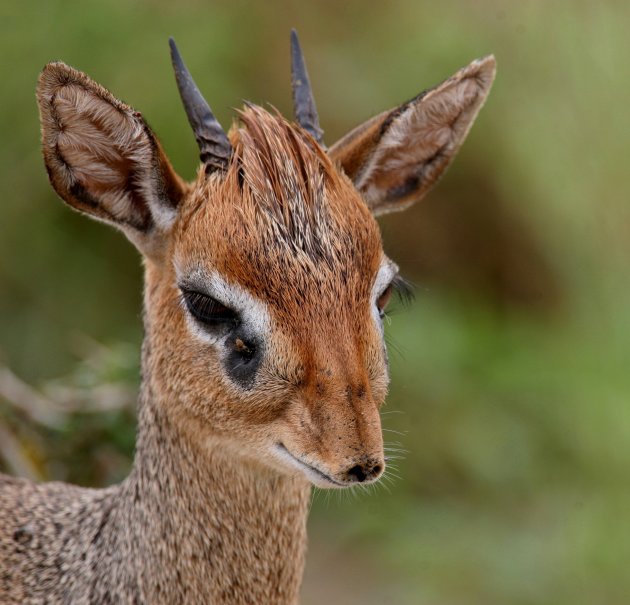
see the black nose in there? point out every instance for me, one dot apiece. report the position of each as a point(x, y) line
point(364, 472)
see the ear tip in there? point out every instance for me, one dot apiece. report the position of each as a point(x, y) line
point(55, 68)
point(488, 62)
point(487, 59)
point(482, 70)
point(486, 65)
point(55, 74)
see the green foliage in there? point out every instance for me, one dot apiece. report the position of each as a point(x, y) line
point(515, 419)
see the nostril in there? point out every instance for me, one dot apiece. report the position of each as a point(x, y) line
point(358, 472)
point(364, 472)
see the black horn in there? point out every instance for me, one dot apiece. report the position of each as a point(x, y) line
point(303, 101)
point(214, 147)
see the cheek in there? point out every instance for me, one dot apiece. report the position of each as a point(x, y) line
point(378, 369)
point(184, 371)
point(215, 382)
point(380, 388)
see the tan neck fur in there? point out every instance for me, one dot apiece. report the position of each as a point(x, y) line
point(264, 363)
point(210, 526)
point(207, 522)
point(195, 522)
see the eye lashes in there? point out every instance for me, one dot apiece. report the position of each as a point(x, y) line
point(207, 309)
point(404, 289)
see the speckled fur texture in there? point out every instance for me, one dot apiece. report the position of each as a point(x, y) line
point(215, 507)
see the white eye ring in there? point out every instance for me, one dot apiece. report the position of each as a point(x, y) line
point(251, 311)
point(383, 286)
point(384, 298)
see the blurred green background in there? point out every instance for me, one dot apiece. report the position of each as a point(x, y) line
point(510, 370)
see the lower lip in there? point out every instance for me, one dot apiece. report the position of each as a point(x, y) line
point(319, 473)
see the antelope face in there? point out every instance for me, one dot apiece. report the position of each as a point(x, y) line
point(281, 304)
point(266, 281)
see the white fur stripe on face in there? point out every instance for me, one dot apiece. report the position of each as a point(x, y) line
point(252, 312)
point(386, 273)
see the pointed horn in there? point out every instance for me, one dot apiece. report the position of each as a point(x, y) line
point(214, 147)
point(303, 101)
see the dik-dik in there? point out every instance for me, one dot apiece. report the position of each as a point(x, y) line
point(263, 363)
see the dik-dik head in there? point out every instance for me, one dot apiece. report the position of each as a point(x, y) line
point(266, 280)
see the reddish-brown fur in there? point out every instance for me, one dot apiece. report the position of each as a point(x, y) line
point(293, 231)
point(215, 507)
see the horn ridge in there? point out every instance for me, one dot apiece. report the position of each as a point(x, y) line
point(303, 101)
point(215, 149)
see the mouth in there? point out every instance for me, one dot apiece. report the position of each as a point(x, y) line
point(317, 476)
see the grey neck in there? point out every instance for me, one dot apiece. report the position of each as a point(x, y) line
point(209, 527)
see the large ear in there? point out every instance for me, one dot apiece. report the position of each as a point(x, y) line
point(396, 157)
point(103, 159)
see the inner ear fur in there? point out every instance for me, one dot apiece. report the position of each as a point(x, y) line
point(101, 156)
point(396, 157)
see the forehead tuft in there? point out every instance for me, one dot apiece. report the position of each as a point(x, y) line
point(283, 209)
point(288, 178)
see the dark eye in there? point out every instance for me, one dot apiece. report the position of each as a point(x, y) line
point(400, 286)
point(383, 299)
point(209, 310)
